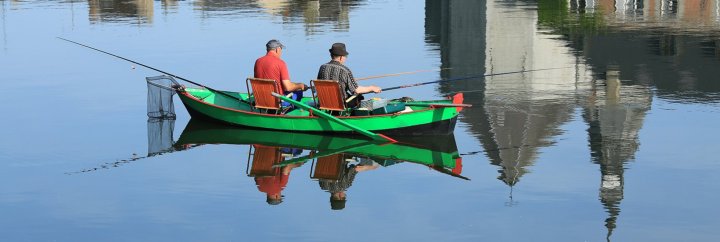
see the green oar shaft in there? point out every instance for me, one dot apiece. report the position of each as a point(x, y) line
point(325, 153)
point(327, 116)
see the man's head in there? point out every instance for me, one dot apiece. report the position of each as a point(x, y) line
point(274, 45)
point(337, 200)
point(274, 199)
point(338, 52)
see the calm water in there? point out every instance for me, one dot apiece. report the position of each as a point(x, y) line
point(614, 139)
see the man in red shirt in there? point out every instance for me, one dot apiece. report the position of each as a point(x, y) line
point(272, 67)
point(273, 186)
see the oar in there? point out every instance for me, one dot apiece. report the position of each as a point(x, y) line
point(441, 170)
point(324, 153)
point(154, 69)
point(464, 78)
point(371, 135)
point(397, 74)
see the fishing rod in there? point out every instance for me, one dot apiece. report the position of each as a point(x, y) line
point(464, 78)
point(118, 163)
point(154, 69)
point(398, 74)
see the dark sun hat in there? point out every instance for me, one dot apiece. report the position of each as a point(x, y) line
point(338, 49)
point(337, 204)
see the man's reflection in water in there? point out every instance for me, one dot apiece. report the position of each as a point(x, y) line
point(336, 176)
point(272, 180)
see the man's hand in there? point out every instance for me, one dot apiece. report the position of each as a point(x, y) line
point(303, 87)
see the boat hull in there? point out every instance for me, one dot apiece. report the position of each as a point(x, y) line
point(431, 120)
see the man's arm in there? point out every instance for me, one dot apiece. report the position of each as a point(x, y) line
point(287, 84)
point(353, 87)
point(367, 89)
point(290, 86)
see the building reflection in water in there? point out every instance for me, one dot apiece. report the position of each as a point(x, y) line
point(686, 15)
point(134, 11)
point(313, 14)
point(169, 6)
point(4, 29)
point(671, 45)
point(615, 115)
point(514, 115)
point(517, 115)
point(210, 8)
point(316, 16)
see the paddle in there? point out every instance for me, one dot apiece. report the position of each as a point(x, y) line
point(155, 69)
point(441, 170)
point(464, 78)
point(371, 135)
point(324, 153)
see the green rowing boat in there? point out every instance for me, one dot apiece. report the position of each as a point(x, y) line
point(423, 118)
point(428, 117)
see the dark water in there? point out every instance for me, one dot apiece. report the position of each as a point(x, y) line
point(610, 134)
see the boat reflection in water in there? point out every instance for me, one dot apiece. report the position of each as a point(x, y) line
point(334, 160)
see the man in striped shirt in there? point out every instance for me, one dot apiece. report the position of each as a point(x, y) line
point(337, 188)
point(337, 71)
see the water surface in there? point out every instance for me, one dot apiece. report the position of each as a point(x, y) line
point(609, 134)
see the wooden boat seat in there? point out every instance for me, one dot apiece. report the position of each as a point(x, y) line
point(328, 95)
point(262, 90)
point(329, 167)
point(263, 160)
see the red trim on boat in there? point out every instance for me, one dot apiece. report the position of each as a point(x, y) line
point(239, 111)
point(388, 138)
point(454, 98)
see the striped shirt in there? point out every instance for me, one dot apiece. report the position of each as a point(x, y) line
point(347, 177)
point(336, 71)
point(343, 184)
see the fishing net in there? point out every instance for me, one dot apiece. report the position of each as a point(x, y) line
point(160, 135)
point(161, 90)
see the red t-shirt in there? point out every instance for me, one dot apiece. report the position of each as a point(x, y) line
point(273, 184)
point(272, 67)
